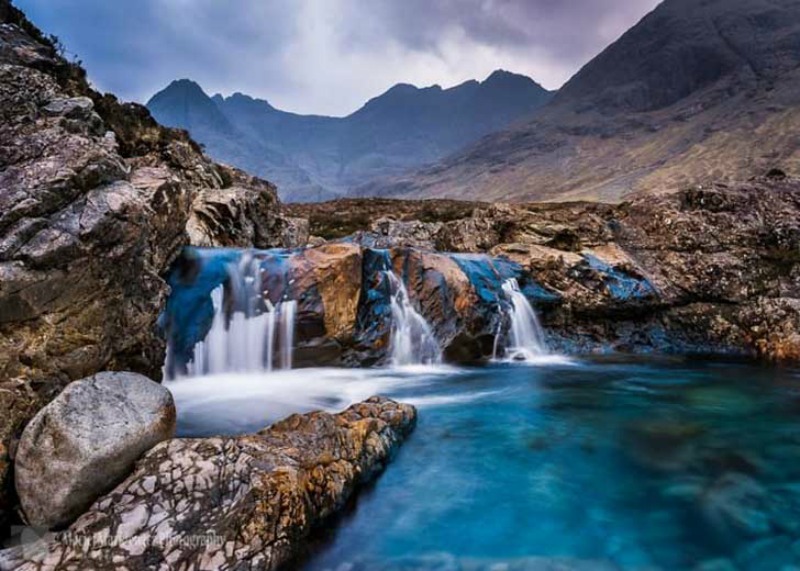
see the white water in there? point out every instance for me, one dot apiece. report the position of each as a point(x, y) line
point(412, 340)
point(288, 310)
point(248, 338)
point(526, 334)
point(238, 403)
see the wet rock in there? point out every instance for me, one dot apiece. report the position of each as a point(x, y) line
point(768, 554)
point(662, 444)
point(706, 270)
point(326, 282)
point(445, 296)
point(217, 502)
point(85, 442)
point(343, 299)
point(736, 506)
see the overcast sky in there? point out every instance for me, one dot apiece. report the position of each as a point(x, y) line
point(328, 56)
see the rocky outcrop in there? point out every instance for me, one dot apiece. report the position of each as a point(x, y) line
point(709, 269)
point(95, 198)
point(247, 212)
point(343, 296)
point(86, 441)
point(229, 502)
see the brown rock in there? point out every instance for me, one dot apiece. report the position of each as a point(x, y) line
point(216, 502)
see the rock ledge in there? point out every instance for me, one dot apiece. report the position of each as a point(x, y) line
point(229, 503)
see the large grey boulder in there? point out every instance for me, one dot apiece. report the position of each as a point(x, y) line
point(86, 441)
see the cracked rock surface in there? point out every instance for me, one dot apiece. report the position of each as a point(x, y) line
point(228, 503)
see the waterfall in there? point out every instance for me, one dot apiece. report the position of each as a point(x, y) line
point(412, 340)
point(288, 310)
point(247, 331)
point(526, 335)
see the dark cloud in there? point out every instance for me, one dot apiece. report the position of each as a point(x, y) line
point(328, 56)
point(567, 29)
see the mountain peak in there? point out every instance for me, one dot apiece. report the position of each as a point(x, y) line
point(698, 90)
point(510, 80)
point(186, 86)
point(312, 156)
point(183, 103)
point(502, 75)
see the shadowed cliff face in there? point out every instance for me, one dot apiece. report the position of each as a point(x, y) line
point(698, 91)
point(317, 158)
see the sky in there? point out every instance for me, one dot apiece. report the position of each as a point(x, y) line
point(328, 57)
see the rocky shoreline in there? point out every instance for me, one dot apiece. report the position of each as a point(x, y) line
point(239, 502)
point(97, 201)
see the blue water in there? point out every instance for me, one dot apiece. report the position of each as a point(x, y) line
point(643, 464)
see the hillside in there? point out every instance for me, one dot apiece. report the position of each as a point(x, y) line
point(314, 158)
point(699, 90)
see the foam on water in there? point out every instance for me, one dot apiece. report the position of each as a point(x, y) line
point(237, 402)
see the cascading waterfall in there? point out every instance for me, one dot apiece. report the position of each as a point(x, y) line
point(526, 334)
point(288, 310)
point(246, 329)
point(412, 340)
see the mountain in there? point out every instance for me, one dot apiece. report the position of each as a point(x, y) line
point(316, 158)
point(698, 90)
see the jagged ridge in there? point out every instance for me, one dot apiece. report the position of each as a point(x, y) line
point(315, 158)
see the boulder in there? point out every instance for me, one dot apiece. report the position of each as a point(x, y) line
point(86, 441)
point(326, 281)
point(737, 507)
point(217, 503)
point(460, 297)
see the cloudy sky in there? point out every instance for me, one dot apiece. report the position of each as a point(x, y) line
point(328, 56)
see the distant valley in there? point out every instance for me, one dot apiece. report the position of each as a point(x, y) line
point(314, 158)
point(698, 91)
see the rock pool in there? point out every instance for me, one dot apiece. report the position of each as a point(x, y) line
point(586, 464)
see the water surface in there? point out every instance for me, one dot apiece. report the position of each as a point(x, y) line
point(612, 464)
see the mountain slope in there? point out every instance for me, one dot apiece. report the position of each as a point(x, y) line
point(698, 90)
point(316, 158)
